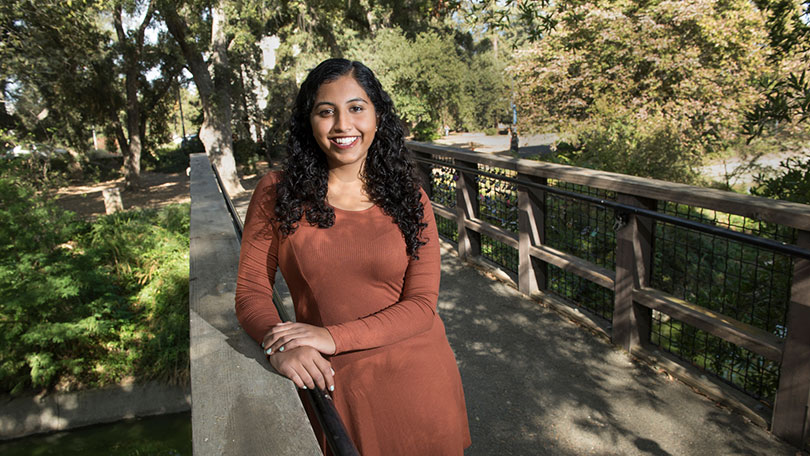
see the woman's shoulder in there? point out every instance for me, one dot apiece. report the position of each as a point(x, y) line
point(268, 183)
point(270, 179)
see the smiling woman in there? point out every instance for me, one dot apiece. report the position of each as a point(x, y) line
point(363, 271)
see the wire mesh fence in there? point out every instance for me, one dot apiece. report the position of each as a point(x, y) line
point(498, 205)
point(747, 283)
point(443, 191)
point(585, 230)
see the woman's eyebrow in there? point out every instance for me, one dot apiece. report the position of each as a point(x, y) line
point(353, 100)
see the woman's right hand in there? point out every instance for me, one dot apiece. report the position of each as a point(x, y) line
point(305, 366)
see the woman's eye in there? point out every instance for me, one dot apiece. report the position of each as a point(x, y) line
point(356, 109)
point(325, 112)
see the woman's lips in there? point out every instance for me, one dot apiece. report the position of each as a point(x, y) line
point(344, 142)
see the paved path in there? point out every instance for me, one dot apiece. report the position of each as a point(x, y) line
point(737, 172)
point(537, 384)
point(530, 145)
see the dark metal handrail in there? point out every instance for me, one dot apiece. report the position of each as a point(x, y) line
point(321, 402)
point(624, 209)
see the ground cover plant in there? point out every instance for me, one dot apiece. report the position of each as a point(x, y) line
point(85, 304)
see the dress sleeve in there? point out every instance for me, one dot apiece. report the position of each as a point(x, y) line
point(414, 313)
point(258, 260)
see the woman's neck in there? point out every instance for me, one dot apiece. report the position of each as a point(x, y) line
point(346, 190)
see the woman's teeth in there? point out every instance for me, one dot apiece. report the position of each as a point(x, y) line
point(345, 141)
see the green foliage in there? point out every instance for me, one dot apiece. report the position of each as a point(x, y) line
point(426, 130)
point(434, 81)
point(247, 153)
point(86, 304)
point(785, 100)
point(616, 140)
point(792, 182)
point(167, 160)
point(677, 76)
point(52, 67)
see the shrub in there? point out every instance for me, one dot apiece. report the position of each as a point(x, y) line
point(167, 160)
point(426, 130)
point(792, 183)
point(247, 153)
point(675, 76)
point(90, 304)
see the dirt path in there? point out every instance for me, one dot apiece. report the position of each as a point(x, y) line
point(157, 190)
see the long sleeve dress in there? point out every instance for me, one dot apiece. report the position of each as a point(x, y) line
point(397, 385)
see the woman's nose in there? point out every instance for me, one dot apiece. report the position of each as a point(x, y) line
point(342, 122)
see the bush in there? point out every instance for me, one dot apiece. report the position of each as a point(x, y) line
point(426, 130)
point(619, 142)
point(674, 76)
point(247, 153)
point(792, 183)
point(167, 160)
point(90, 304)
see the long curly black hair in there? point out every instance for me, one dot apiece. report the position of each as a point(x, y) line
point(389, 176)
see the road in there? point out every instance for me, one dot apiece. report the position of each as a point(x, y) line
point(736, 172)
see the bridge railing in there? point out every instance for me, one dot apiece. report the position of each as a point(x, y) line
point(683, 276)
point(239, 404)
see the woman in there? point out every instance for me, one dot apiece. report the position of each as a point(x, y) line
point(356, 241)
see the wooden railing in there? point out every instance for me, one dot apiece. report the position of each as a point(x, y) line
point(637, 305)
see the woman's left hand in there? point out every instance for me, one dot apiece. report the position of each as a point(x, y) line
point(289, 335)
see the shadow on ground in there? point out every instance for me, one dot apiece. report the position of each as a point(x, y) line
point(536, 384)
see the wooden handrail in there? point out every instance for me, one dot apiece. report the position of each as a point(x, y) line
point(786, 213)
point(636, 200)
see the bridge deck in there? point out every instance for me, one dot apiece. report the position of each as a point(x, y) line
point(538, 384)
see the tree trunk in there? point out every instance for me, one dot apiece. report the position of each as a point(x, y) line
point(132, 156)
point(214, 92)
point(132, 57)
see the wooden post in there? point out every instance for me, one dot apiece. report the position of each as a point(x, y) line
point(467, 207)
point(532, 272)
point(631, 322)
point(790, 411)
point(425, 172)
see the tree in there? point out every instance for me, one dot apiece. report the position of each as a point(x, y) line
point(66, 65)
point(647, 88)
point(434, 81)
point(190, 28)
point(141, 95)
point(786, 93)
point(49, 53)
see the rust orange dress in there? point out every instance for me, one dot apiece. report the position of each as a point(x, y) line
point(397, 385)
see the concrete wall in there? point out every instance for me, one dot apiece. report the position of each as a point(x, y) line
point(239, 404)
point(24, 416)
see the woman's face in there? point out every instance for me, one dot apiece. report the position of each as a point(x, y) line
point(343, 121)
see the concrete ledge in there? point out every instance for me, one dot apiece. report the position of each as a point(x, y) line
point(24, 416)
point(239, 404)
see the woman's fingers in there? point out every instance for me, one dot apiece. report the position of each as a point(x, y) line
point(273, 339)
point(315, 375)
point(327, 372)
point(293, 335)
point(305, 366)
